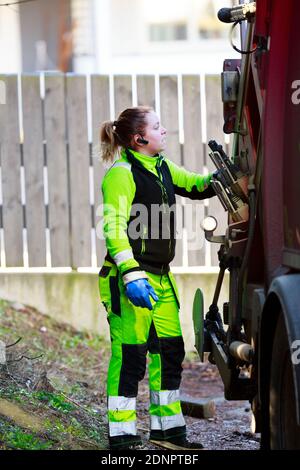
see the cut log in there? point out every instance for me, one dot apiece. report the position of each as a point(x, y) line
point(197, 407)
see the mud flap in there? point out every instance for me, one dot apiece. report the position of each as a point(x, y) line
point(198, 320)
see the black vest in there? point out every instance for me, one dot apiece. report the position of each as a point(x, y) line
point(155, 248)
point(151, 231)
point(154, 253)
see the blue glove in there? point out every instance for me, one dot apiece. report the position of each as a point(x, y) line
point(138, 293)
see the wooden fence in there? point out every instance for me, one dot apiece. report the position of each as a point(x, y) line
point(51, 175)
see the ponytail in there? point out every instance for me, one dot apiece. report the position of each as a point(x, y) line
point(108, 141)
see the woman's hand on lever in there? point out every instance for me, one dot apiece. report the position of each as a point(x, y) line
point(138, 293)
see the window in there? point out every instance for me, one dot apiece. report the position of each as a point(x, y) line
point(168, 32)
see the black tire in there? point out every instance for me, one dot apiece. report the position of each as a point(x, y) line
point(284, 431)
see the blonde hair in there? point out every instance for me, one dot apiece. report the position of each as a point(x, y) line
point(117, 134)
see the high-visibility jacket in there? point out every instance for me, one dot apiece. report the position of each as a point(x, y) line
point(149, 181)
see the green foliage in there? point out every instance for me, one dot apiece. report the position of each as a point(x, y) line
point(57, 401)
point(19, 439)
point(71, 342)
point(69, 427)
point(96, 435)
point(96, 343)
point(3, 305)
point(81, 340)
point(13, 393)
point(74, 428)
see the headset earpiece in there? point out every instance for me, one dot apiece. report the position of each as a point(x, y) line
point(140, 140)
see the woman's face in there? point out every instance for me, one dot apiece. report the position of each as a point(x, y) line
point(154, 133)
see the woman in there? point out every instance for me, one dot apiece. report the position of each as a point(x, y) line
point(136, 286)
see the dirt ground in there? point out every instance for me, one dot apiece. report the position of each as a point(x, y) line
point(57, 375)
point(229, 429)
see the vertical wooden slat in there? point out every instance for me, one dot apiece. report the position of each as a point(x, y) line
point(33, 165)
point(146, 90)
point(10, 166)
point(214, 119)
point(169, 115)
point(79, 170)
point(100, 113)
point(55, 136)
point(169, 119)
point(123, 93)
point(193, 150)
point(193, 160)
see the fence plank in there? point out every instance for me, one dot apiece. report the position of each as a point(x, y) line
point(146, 90)
point(169, 117)
point(33, 166)
point(55, 137)
point(123, 93)
point(100, 113)
point(193, 150)
point(193, 160)
point(214, 119)
point(12, 214)
point(79, 171)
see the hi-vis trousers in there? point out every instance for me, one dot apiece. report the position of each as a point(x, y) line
point(136, 331)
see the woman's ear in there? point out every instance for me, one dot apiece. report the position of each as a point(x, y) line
point(136, 140)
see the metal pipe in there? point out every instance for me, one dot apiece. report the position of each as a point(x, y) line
point(241, 351)
point(218, 286)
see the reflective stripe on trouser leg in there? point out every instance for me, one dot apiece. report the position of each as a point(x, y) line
point(166, 351)
point(121, 416)
point(129, 332)
point(165, 410)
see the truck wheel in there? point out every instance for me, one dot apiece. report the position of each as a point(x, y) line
point(284, 431)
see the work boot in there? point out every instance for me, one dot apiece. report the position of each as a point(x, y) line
point(125, 442)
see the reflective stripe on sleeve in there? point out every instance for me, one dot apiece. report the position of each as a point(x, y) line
point(133, 276)
point(125, 255)
point(123, 164)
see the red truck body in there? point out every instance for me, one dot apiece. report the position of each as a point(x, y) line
point(263, 310)
point(278, 72)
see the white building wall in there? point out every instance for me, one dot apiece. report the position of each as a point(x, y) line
point(84, 44)
point(123, 44)
point(103, 43)
point(10, 50)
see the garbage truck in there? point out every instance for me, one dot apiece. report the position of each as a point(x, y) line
point(254, 337)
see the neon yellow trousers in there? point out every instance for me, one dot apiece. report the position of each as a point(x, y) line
point(136, 332)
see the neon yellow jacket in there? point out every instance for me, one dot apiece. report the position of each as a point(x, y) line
point(119, 188)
